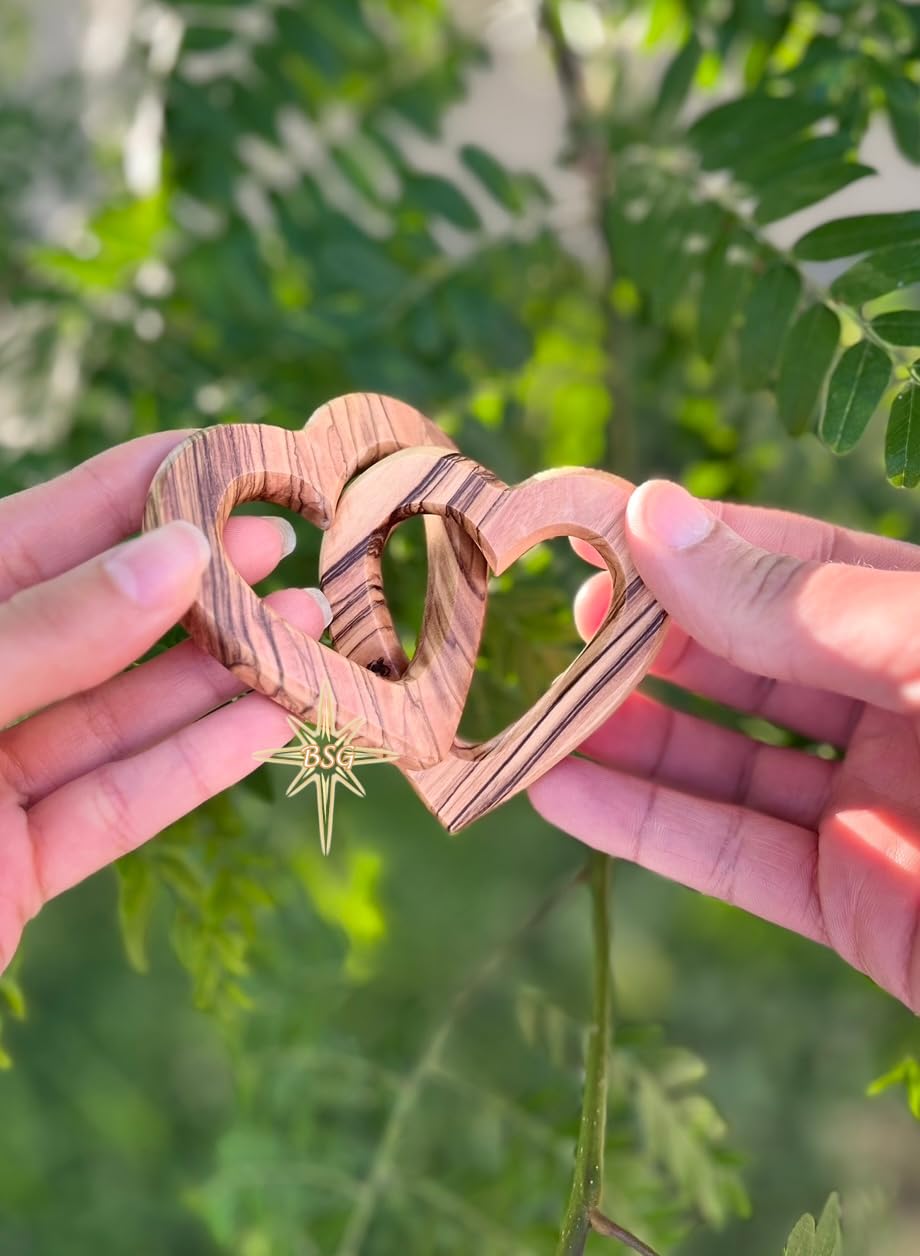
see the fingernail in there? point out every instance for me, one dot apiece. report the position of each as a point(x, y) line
point(149, 569)
point(288, 535)
point(322, 602)
point(671, 515)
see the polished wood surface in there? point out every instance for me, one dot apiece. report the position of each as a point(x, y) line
point(219, 468)
point(504, 522)
point(473, 522)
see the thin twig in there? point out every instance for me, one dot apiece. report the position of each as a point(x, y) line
point(610, 1230)
point(353, 1239)
point(585, 1194)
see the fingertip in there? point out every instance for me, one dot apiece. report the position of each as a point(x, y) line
point(322, 603)
point(307, 609)
point(586, 551)
point(592, 602)
point(159, 568)
point(661, 513)
point(256, 544)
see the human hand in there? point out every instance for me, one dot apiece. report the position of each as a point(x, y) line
point(120, 754)
point(814, 628)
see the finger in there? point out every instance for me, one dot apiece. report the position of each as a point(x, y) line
point(70, 737)
point(813, 540)
point(814, 713)
point(133, 710)
point(763, 865)
point(847, 629)
point(95, 819)
point(256, 544)
point(50, 528)
point(648, 739)
point(76, 630)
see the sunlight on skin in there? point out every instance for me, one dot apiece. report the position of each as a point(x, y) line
point(814, 632)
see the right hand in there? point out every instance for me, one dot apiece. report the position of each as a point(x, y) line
point(814, 628)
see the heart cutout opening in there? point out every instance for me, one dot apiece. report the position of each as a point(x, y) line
point(503, 523)
point(220, 468)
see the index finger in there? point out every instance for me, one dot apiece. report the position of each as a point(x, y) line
point(784, 532)
point(48, 529)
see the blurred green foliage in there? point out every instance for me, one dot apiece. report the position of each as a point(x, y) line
point(388, 1046)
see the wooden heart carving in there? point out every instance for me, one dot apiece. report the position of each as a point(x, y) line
point(219, 468)
point(504, 522)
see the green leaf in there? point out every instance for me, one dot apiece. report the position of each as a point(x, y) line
point(760, 167)
point(769, 311)
point(887, 270)
point(685, 240)
point(801, 1241)
point(502, 185)
point(357, 263)
point(856, 387)
point(123, 236)
point(829, 1239)
point(677, 80)
point(724, 134)
point(136, 896)
point(906, 1072)
point(902, 439)
point(846, 236)
point(727, 276)
point(903, 98)
point(803, 188)
point(900, 327)
point(12, 995)
point(806, 359)
point(436, 196)
point(485, 327)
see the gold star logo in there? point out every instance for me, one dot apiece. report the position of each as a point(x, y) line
point(326, 757)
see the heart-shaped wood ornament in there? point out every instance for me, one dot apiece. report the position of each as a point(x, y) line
point(504, 522)
point(472, 521)
point(218, 468)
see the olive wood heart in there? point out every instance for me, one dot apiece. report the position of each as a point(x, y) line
point(504, 522)
point(218, 468)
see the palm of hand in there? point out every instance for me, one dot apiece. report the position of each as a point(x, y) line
point(869, 853)
point(830, 849)
point(110, 757)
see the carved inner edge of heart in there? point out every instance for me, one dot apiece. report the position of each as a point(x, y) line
point(504, 522)
point(221, 467)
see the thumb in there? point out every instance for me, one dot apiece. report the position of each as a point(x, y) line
point(847, 629)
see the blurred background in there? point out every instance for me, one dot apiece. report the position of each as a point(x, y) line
point(223, 212)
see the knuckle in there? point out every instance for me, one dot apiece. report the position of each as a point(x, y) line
point(99, 719)
point(191, 764)
point(724, 873)
point(14, 776)
point(19, 568)
point(114, 813)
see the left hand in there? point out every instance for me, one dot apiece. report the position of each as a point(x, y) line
point(112, 756)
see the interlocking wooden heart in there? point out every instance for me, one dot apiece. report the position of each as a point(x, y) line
point(473, 523)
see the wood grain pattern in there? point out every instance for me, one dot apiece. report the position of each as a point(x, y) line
point(504, 523)
point(472, 521)
point(218, 468)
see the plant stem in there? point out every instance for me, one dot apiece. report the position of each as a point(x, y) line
point(585, 1194)
point(382, 1166)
